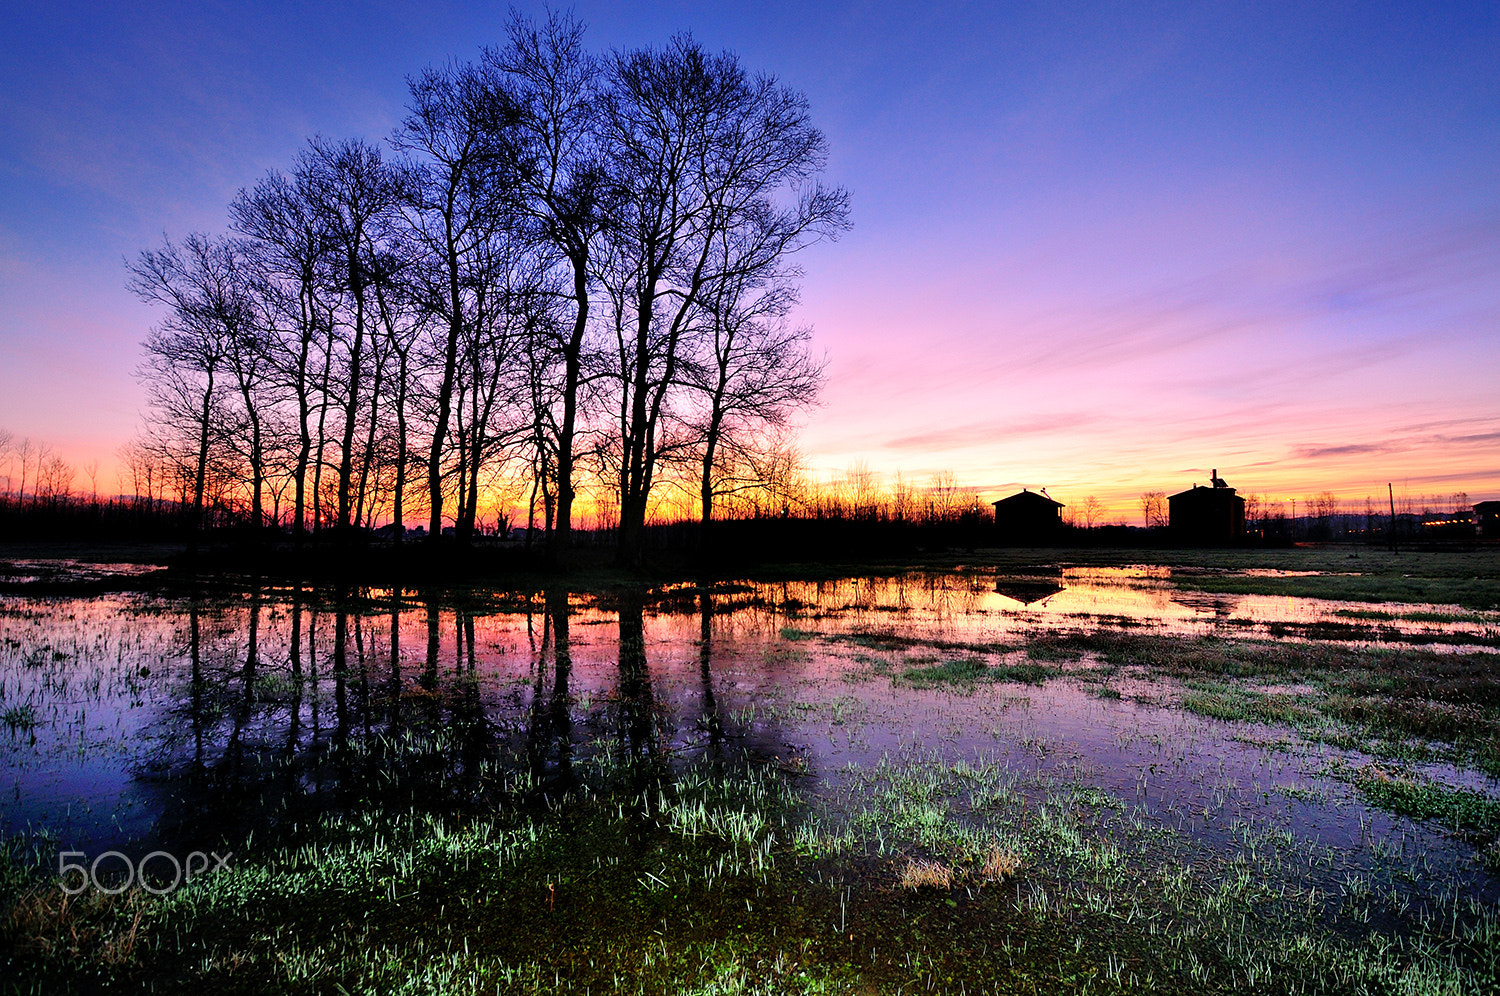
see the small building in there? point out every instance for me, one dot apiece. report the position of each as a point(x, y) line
point(1207, 516)
point(1028, 516)
point(1487, 519)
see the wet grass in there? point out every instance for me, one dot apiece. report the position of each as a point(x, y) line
point(1372, 693)
point(937, 869)
point(946, 872)
point(685, 887)
point(1469, 579)
point(1462, 810)
point(970, 671)
point(1150, 906)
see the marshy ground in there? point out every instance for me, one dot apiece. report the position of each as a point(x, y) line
point(1216, 772)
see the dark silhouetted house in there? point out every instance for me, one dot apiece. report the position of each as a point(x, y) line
point(1207, 516)
point(1028, 517)
point(1487, 519)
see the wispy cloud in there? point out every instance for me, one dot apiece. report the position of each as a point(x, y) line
point(988, 432)
point(1348, 449)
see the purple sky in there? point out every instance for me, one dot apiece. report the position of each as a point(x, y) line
point(1102, 250)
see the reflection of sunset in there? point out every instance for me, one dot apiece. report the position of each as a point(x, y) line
point(115, 678)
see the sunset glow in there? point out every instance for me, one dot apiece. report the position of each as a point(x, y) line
point(1102, 252)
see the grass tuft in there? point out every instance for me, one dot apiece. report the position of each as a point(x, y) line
point(921, 873)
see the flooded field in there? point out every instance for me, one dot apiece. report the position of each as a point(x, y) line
point(1049, 779)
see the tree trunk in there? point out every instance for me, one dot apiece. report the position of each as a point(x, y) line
point(445, 392)
point(400, 496)
point(202, 473)
point(561, 536)
point(351, 404)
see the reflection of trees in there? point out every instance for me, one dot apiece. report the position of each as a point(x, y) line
point(550, 732)
point(712, 722)
point(234, 752)
point(246, 748)
point(636, 701)
point(297, 706)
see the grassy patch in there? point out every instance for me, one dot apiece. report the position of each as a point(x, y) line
point(1361, 698)
point(1465, 810)
point(970, 671)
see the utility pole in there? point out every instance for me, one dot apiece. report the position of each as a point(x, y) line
point(1391, 493)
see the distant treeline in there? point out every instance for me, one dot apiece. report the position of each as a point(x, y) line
point(94, 519)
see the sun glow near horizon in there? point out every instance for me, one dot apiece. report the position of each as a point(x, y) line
point(1104, 254)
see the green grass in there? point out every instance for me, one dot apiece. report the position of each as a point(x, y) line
point(1463, 810)
point(1364, 695)
point(971, 670)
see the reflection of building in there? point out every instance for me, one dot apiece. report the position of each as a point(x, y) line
point(1028, 516)
point(1208, 515)
point(1487, 519)
point(1027, 592)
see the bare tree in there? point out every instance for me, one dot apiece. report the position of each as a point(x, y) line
point(1324, 506)
point(24, 450)
point(942, 497)
point(458, 181)
point(91, 471)
point(204, 290)
point(903, 502)
point(1154, 509)
point(290, 246)
point(402, 321)
point(563, 183)
point(700, 148)
point(1093, 511)
point(351, 189)
point(54, 479)
point(7, 447)
point(753, 368)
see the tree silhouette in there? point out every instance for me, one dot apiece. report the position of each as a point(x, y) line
point(700, 148)
point(205, 290)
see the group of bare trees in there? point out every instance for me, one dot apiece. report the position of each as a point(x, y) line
point(32, 471)
point(563, 272)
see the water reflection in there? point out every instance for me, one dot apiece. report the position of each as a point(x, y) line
point(189, 723)
point(1027, 592)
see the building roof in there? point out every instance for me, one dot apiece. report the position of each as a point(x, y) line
point(1025, 497)
point(1216, 485)
point(1201, 493)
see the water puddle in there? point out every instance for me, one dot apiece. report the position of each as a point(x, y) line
point(904, 712)
point(1149, 599)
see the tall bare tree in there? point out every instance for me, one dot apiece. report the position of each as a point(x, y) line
point(700, 147)
point(563, 185)
point(289, 248)
point(458, 137)
point(205, 290)
point(752, 367)
point(351, 190)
